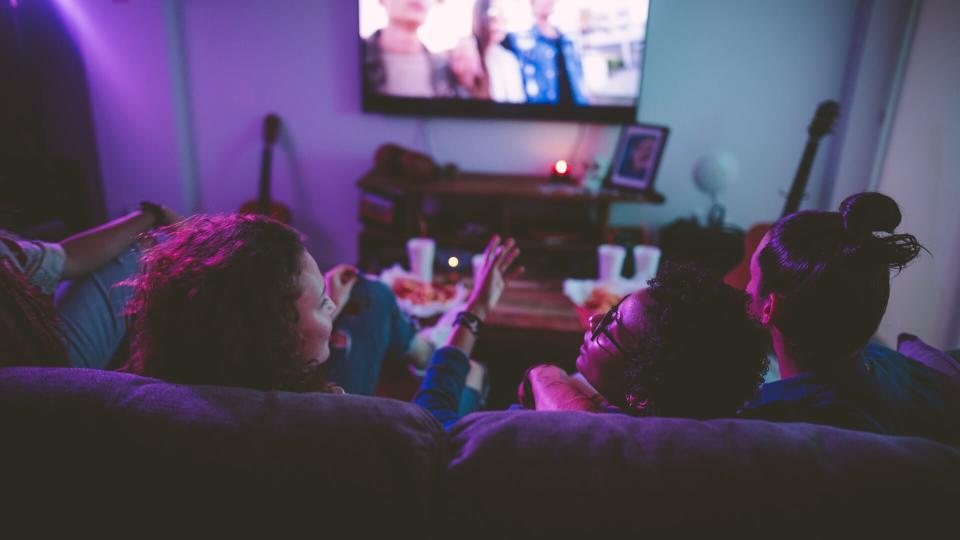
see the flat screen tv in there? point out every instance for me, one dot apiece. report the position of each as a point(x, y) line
point(545, 59)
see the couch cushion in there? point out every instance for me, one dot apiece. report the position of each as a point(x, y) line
point(913, 347)
point(93, 443)
point(514, 473)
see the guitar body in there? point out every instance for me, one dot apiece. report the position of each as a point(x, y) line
point(275, 210)
point(820, 126)
point(264, 204)
point(740, 276)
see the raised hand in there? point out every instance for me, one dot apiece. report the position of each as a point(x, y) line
point(492, 279)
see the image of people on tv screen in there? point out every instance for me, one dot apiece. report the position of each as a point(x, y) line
point(562, 52)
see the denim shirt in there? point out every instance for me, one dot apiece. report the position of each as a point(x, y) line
point(443, 385)
point(879, 391)
point(538, 65)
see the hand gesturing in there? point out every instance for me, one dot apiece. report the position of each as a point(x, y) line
point(494, 275)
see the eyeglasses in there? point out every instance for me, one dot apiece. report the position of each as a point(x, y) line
point(602, 327)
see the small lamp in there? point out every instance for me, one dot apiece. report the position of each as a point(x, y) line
point(560, 171)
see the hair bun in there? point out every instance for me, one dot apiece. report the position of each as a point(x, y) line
point(869, 212)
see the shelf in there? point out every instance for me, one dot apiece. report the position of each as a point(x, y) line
point(452, 240)
point(558, 227)
point(497, 186)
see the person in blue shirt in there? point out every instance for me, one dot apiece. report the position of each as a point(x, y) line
point(820, 282)
point(549, 60)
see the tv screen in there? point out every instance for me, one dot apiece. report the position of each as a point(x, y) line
point(547, 59)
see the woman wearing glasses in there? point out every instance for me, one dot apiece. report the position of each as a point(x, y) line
point(685, 346)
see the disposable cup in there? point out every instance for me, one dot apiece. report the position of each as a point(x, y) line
point(421, 252)
point(610, 261)
point(646, 260)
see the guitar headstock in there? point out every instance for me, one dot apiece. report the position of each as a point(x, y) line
point(271, 128)
point(823, 120)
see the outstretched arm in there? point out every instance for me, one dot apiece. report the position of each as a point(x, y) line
point(88, 250)
point(445, 378)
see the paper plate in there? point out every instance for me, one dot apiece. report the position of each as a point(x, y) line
point(422, 310)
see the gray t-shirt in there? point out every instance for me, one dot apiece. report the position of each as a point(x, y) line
point(408, 74)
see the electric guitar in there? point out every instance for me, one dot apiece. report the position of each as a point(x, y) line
point(820, 126)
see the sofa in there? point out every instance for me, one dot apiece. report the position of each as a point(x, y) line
point(86, 450)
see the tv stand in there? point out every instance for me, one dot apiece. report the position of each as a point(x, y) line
point(557, 226)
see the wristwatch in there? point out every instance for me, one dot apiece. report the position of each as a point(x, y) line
point(155, 210)
point(469, 320)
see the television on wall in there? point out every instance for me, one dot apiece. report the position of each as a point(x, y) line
point(541, 59)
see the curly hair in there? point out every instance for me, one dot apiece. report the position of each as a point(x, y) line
point(702, 355)
point(28, 327)
point(215, 303)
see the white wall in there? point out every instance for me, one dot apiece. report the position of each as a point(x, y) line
point(921, 173)
point(743, 76)
point(124, 49)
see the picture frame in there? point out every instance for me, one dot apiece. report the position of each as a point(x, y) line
point(637, 158)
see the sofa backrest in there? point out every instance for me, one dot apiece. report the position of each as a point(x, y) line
point(91, 444)
point(567, 474)
point(84, 449)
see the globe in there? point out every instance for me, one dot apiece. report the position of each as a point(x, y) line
point(714, 172)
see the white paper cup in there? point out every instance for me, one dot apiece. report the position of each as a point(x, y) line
point(421, 252)
point(477, 262)
point(610, 261)
point(646, 260)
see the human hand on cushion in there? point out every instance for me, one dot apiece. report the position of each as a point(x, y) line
point(546, 387)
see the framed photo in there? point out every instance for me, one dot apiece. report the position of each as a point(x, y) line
point(638, 156)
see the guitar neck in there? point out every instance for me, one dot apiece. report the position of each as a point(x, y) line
point(799, 185)
point(263, 197)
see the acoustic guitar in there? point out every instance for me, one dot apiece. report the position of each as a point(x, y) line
point(820, 126)
point(264, 204)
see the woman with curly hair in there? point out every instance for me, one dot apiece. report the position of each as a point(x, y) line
point(820, 281)
point(234, 301)
point(237, 300)
point(685, 346)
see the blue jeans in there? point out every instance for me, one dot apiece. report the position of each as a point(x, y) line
point(90, 309)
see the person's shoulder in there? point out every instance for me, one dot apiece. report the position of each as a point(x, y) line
point(885, 361)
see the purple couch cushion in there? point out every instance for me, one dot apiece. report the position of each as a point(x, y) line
point(913, 347)
point(569, 474)
point(92, 443)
